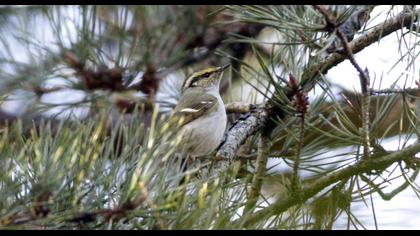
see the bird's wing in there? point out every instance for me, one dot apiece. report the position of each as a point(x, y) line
point(188, 110)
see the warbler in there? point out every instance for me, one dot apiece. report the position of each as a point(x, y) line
point(201, 112)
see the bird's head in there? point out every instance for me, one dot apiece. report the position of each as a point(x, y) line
point(208, 78)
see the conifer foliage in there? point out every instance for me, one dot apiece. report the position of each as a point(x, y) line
point(85, 92)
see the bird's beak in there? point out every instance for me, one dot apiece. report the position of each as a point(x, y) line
point(222, 68)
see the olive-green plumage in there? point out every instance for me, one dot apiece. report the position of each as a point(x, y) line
point(200, 112)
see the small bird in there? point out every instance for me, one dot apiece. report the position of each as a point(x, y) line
point(201, 112)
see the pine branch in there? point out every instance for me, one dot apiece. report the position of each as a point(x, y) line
point(348, 28)
point(309, 190)
point(403, 19)
point(239, 107)
point(244, 127)
point(248, 125)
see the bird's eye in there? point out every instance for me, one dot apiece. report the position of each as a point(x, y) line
point(206, 75)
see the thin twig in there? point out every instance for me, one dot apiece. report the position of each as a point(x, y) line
point(300, 103)
point(296, 164)
point(395, 91)
point(260, 171)
point(393, 193)
point(85, 217)
point(363, 75)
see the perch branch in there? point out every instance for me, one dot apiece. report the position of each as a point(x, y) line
point(239, 107)
point(240, 131)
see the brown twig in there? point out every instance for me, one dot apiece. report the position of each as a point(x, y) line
point(259, 174)
point(103, 78)
point(117, 212)
point(363, 75)
point(300, 103)
point(40, 211)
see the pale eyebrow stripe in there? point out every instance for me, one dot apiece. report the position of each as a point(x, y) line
point(197, 77)
point(191, 80)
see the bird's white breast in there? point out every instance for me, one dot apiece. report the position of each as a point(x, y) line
point(205, 133)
